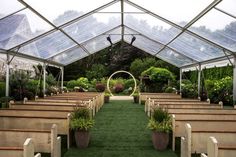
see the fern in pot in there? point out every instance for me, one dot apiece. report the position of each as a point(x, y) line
point(160, 124)
point(81, 122)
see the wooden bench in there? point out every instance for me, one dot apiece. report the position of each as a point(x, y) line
point(51, 107)
point(26, 151)
point(30, 113)
point(196, 140)
point(183, 106)
point(215, 149)
point(45, 141)
point(145, 96)
point(211, 123)
point(200, 111)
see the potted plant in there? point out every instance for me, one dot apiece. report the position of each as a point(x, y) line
point(160, 124)
point(107, 97)
point(136, 97)
point(81, 123)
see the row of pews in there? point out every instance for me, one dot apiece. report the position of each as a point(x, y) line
point(204, 128)
point(34, 126)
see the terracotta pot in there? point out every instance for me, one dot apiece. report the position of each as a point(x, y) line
point(82, 138)
point(106, 99)
point(160, 140)
point(136, 99)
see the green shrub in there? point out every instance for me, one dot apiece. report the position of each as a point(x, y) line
point(91, 89)
point(2, 89)
point(220, 90)
point(83, 82)
point(170, 90)
point(189, 90)
point(51, 81)
point(33, 86)
point(129, 83)
point(97, 71)
point(72, 83)
point(159, 75)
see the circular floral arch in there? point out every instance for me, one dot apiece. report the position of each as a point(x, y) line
point(121, 71)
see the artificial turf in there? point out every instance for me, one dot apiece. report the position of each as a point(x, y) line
point(120, 131)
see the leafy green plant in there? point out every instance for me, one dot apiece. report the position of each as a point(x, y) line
point(81, 124)
point(83, 82)
point(220, 90)
point(80, 112)
point(160, 121)
point(158, 74)
point(80, 119)
point(97, 71)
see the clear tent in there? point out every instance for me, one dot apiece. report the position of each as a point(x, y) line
point(190, 34)
point(184, 33)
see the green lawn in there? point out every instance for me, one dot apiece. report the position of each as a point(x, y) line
point(120, 131)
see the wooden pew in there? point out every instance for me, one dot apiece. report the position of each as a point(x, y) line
point(44, 141)
point(50, 107)
point(145, 96)
point(200, 111)
point(38, 113)
point(27, 150)
point(196, 141)
point(211, 123)
point(151, 107)
point(38, 123)
point(215, 149)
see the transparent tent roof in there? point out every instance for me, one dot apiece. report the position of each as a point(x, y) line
point(184, 33)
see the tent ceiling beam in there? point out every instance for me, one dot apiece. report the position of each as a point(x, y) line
point(163, 45)
point(54, 26)
point(177, 26)
point(21, 55)
point(63, 25)
point(222, 58)
point(72, 48)
point(13, 13)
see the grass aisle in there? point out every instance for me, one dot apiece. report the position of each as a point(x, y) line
point(120, 131)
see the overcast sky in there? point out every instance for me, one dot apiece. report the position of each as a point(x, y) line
point(174, 10)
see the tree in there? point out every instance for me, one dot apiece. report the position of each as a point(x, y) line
point(97, 71)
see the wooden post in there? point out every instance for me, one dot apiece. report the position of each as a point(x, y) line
point(59, 146)
point(188, 132)
point(173, 132)
point(212, 147)
point(182, 147)
point(28, 148)
point(54, 140)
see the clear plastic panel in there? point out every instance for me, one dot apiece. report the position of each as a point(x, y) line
point(179, 11)
point(92, 26)
point(20, 27)
point(8, 7)
point(49, 45)
point(217, 27)
point(174, 57)
point(115, 8)
point(151, 27)
point(228, 6)
point(101, 42)
point(70, 56)
point(195, 48)
point(130, 8)
point(142, 42)
point(60, 12)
